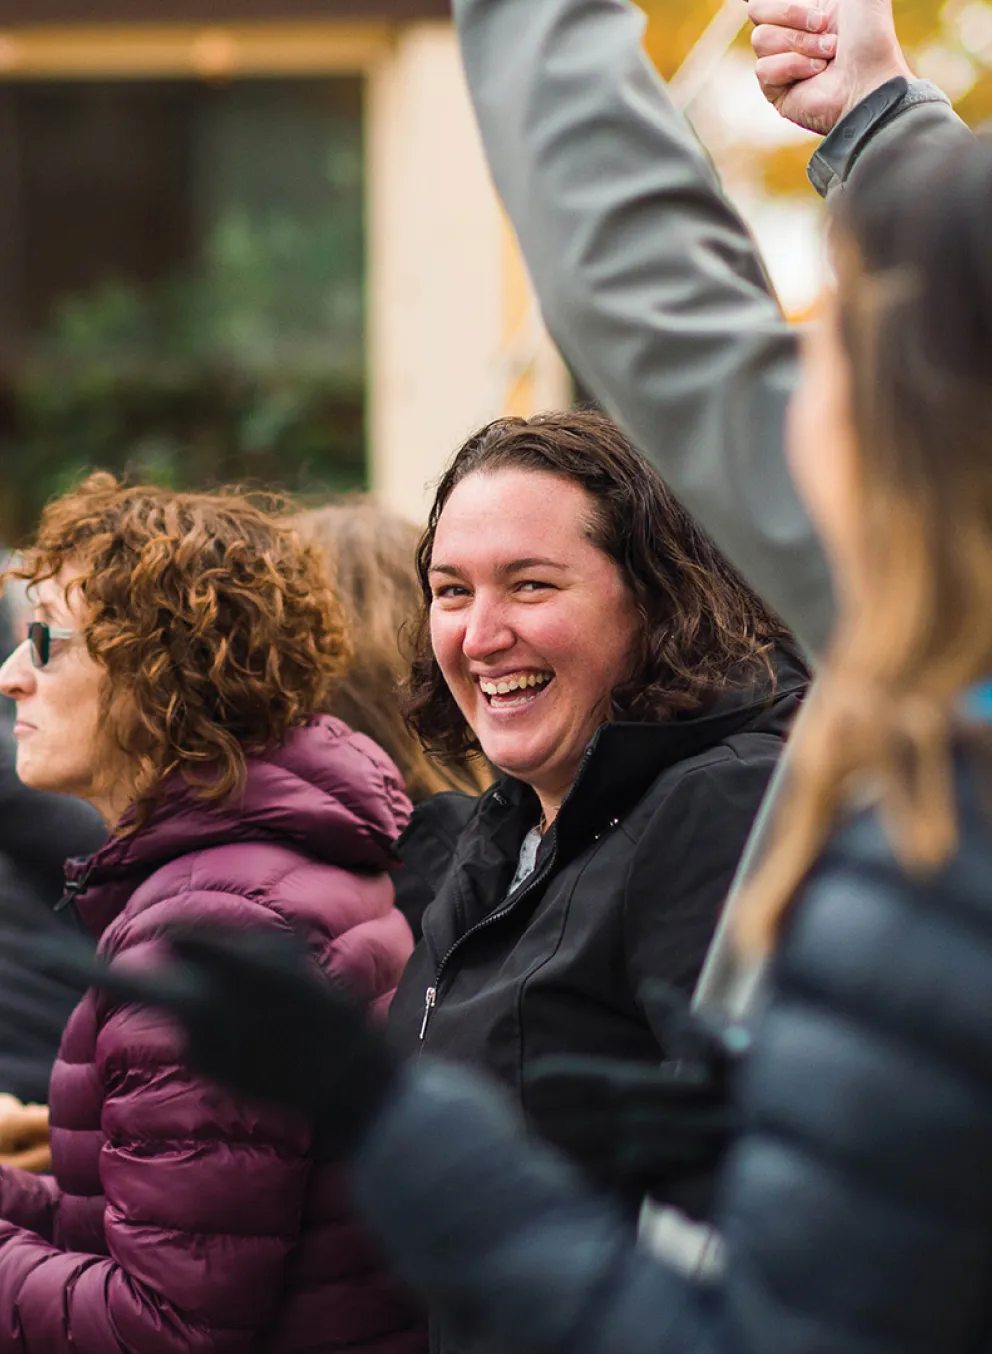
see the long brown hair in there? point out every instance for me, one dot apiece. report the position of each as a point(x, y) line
point(703, 631)
point(370, 556)
point(915, 318)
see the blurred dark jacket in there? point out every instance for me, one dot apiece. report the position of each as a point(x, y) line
point(856, 1207)
point(38, 832)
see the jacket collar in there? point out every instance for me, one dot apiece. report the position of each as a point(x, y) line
point(619, 765)
point(622, 760)
point(327, 792)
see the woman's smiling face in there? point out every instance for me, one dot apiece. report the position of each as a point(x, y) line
point(532, 625)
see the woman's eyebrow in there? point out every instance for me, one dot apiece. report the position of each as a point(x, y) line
point(516, 566)
point(513, 566)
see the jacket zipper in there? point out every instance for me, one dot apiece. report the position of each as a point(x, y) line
point(429, 1002)
point(430, 996)
point(73, 889)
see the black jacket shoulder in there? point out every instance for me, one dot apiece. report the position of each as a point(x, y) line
point(687, 836)
point(426, 850)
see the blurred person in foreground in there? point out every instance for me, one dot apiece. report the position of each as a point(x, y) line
point(179, 647)
point(371, 558)
point(856, 1205)
point(38, 833)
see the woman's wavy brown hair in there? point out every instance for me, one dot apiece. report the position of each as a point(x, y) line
point(915, 631)
point(370, 554)
point(703, 631)
point(216, 626)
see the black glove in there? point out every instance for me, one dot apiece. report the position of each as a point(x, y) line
point(264, 1022)
point(641, 1128)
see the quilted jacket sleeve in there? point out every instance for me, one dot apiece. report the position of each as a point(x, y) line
point(29, 1201)
point(203, 1199)
point(856, 1209)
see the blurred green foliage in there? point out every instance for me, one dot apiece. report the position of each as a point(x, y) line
point(177, 424)
point(245, 367)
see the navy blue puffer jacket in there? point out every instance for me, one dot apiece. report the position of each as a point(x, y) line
point(857, 1206)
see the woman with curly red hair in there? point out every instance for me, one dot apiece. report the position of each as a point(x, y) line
point(179, 646)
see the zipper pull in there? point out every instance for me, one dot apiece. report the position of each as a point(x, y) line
point(72, 888)
point(430, 1001)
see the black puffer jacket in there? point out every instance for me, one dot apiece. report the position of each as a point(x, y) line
point(857, 1207)
point(38, 832)
point(629, 884)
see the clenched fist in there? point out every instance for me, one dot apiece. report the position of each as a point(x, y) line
point(817, 61)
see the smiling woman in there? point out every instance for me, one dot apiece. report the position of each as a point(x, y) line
point(530, 646)
point(582, 632)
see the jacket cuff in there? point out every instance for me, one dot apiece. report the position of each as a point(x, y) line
point(839, 152)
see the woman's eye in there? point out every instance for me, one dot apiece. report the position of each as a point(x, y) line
point(450, 591)
point(533, 585)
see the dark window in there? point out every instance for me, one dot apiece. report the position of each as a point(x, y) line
point(181, 284)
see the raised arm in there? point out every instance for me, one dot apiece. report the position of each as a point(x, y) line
point(648, 278)
point(863, 99)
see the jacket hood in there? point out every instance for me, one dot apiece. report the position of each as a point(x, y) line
point(329, 792)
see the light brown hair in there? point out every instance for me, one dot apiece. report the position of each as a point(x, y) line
point(370, 554)
point(215, 625)
point(915, 317)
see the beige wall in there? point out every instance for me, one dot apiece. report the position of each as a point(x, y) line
point(454, 338)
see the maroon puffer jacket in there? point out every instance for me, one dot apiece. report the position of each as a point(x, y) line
point(179, 1219)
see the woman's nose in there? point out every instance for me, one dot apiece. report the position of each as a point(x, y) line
point(17, 676)
point(487, 631)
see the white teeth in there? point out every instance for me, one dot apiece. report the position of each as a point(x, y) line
point(508, 684)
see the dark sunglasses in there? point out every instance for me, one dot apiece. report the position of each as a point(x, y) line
point(40, 636)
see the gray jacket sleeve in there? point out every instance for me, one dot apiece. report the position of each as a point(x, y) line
point(648, 279)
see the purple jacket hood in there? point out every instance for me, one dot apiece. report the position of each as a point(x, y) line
point(327, 791)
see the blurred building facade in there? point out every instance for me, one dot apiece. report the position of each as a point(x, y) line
point(256, 239)
point(289, 193)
